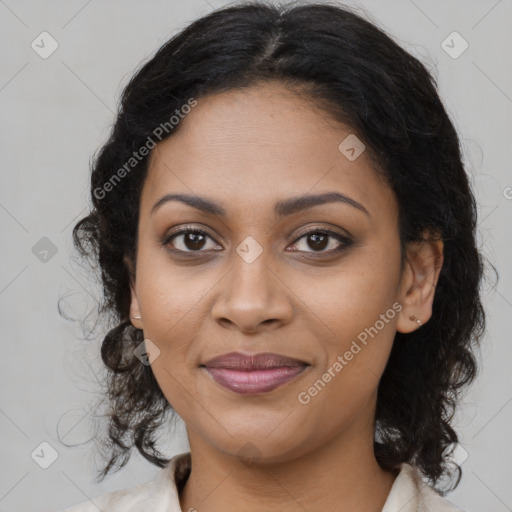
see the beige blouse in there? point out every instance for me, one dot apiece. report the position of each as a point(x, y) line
point(408, 494)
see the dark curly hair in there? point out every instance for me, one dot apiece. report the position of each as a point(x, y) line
point(353, 71)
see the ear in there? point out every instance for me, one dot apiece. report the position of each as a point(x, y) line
point(134, 304)
point(418, 284)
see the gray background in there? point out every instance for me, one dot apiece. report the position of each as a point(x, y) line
point(57, 111)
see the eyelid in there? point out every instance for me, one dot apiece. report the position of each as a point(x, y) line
point(329, 231)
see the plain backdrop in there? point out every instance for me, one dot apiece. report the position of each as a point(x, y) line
point(56, 111)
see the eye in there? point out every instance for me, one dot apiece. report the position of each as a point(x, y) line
point(192, 239)
point(320, 239)
point(189, 239)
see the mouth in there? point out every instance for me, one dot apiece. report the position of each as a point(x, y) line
point(253, 374)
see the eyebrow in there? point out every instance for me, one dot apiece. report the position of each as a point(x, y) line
point(281, 208)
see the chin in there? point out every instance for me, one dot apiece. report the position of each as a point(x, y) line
point(251, 448)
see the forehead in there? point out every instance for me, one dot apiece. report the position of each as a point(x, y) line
point(261, 144)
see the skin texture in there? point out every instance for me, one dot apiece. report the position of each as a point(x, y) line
point(246, 150)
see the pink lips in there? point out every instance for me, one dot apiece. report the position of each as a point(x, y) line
point(253, 374)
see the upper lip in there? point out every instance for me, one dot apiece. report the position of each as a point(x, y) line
point(262, 361)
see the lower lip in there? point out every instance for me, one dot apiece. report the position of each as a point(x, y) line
point(256, 381)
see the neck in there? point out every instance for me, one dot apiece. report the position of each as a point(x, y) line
point(341, 475)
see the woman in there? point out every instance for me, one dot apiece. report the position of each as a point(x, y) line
point(287, 242)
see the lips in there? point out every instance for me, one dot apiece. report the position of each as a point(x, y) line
point(264, 361)
point(253, 374)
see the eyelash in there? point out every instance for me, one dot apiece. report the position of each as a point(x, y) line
point(344, 240)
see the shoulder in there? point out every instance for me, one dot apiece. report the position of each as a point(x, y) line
point(412, 493)
point(158, 495)
point(432, 501)
point(135, 498)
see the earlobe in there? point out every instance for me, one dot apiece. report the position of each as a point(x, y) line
point(419, 280)
point(135, 314)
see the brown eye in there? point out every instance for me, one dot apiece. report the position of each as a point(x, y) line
point(319, 240)
point(190, 240)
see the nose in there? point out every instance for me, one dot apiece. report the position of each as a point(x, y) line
point(252, 298)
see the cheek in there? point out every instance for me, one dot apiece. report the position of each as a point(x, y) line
point(170, 295)
point(357, 309)
point(170, 302)
point(353, 297)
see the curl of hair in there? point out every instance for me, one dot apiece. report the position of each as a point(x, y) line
point(353, 71)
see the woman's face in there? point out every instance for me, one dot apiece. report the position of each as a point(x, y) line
point(258, 283)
